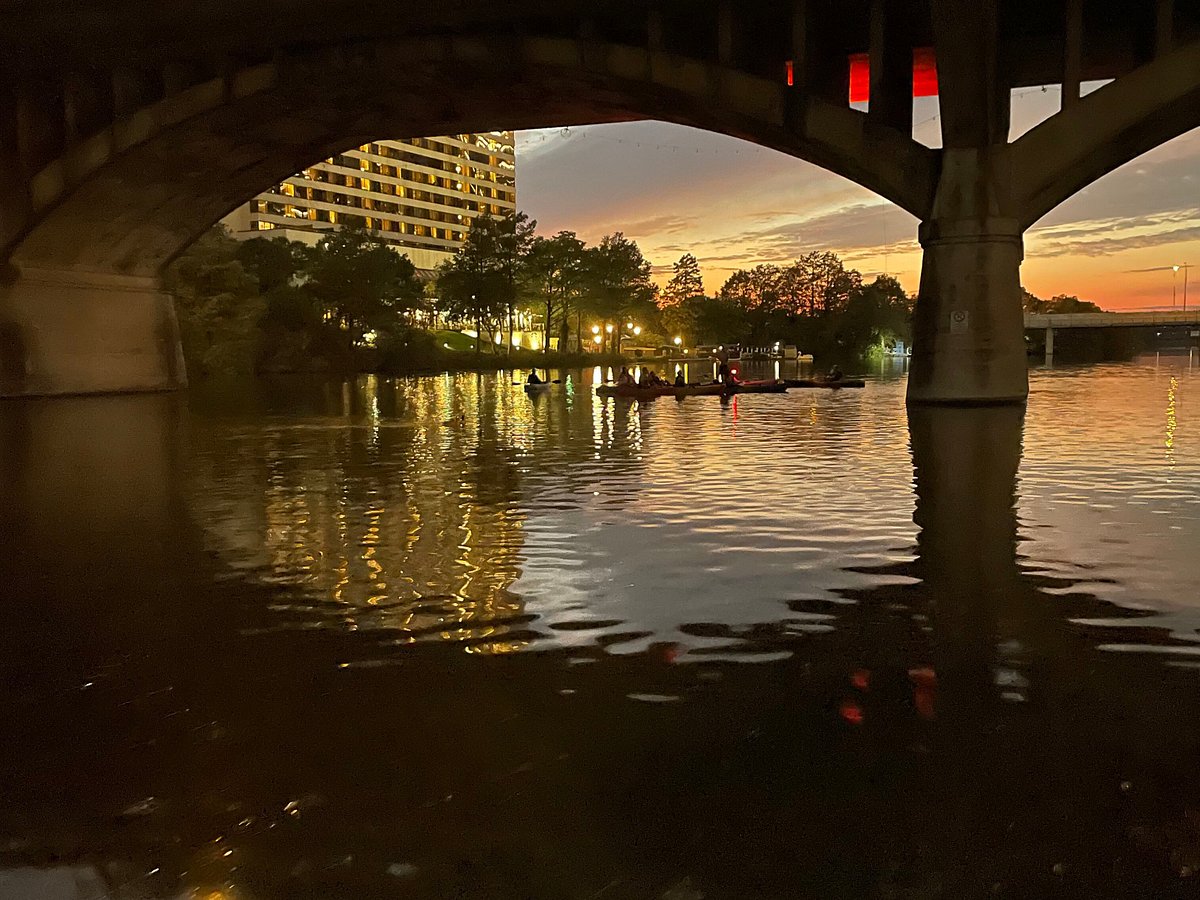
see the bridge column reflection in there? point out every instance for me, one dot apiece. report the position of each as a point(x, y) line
point(90, 507)
point(965, 463)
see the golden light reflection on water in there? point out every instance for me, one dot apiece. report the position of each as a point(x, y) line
point(1172, 421)
point(416, 528)
point(440, 506)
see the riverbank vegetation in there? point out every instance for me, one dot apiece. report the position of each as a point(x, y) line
point(511, 298)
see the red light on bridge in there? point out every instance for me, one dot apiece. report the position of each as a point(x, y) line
point(925, 83)
point(791, 73)
point(860, 78)
point(924, 78)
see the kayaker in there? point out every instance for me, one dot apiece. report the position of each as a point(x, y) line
point(533, 378)
point(624, 379)
point(835, 374)
point(679, 382)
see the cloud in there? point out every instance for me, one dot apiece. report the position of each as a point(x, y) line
point(677, 190)
point(1106, 237)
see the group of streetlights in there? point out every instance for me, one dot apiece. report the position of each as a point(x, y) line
point(632, 329)
point(598, 338)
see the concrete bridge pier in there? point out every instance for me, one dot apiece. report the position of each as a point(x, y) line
point(968, 330)
point(72, 332)
point(968, 326)
point(1049, 346)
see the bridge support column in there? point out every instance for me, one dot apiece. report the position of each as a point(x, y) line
point(968, 330)
point(1049, 346)
point(968, 335)
point(67, 332)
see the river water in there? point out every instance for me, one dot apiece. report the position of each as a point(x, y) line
point(434, 638)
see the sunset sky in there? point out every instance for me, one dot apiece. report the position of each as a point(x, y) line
point(734, 205)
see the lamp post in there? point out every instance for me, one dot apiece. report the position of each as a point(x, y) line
point(1174, 277)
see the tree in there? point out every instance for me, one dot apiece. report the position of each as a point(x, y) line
point(817, 284)
point(1060, 303)
point(362, 283)
point(686, 282)
point(617, 279)
point(875, 316)
point(274, 263)
point(479, 284)
point(514, 237)
point(554, 271)
point(218, 305)
point(757, 288)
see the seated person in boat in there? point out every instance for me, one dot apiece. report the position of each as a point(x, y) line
point(625, 379)
point(533, 378)
point(679, 382)
point(835, 374)
point(650, 378)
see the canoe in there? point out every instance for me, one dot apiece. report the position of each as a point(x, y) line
point(758, 387)
point(825, 383)
point(633, 391)
point(700, 390)
point(537, 388)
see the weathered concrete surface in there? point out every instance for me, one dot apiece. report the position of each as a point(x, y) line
point(66, 332)
point(968, 337)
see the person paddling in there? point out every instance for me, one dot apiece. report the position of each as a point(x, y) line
point(533, 378)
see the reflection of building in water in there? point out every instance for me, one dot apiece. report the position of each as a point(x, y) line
point(398, 513)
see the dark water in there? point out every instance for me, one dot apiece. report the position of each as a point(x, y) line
point(432, 638)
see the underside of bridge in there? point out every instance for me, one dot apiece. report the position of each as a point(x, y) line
point(126, 132)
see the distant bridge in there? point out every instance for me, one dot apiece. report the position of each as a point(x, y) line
point(1054, 321)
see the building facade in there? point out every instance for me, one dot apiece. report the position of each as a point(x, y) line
point(418, 195)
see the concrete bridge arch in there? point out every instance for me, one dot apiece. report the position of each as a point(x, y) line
point(133, 195)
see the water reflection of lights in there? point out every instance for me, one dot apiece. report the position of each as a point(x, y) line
point(361, 515)
point(1172, 419)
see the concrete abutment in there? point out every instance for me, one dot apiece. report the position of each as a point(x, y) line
point(65, 332)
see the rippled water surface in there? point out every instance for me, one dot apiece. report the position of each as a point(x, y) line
point(436, 638)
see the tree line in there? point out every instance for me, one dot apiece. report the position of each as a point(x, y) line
point(350, 302)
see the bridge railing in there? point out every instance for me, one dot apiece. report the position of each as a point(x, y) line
point(1111, 319)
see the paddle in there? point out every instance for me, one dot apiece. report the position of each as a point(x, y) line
point(525, 383)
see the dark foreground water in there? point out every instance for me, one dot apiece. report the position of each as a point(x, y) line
point(432, 638)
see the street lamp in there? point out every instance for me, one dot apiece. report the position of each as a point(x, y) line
point(637, 329)
point(1174, 276)
point(678, 341)
point(629, 325)
point(597, 340)
point(595, 329)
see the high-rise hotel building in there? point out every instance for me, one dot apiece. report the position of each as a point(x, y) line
point(419, 195)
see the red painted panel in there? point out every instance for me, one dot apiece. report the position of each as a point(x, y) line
point(924, 84)
point(860, 78)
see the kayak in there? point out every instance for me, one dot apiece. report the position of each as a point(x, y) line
point(825, 383)
point(758, 387)
point(537, 388)
point(700, 390)
point(634, 391)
